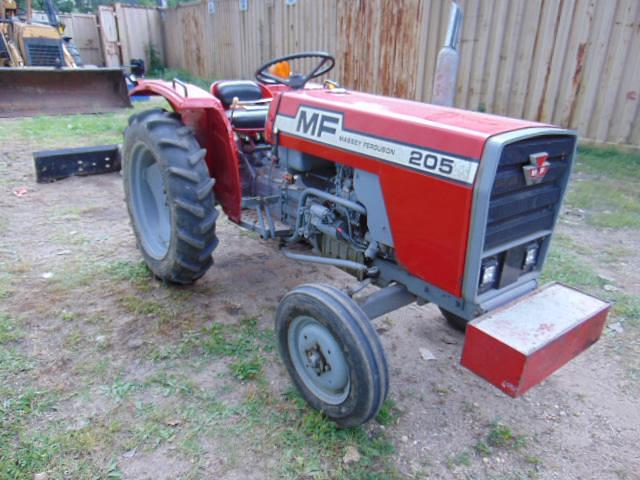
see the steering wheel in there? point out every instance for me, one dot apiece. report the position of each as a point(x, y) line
point(296, 80)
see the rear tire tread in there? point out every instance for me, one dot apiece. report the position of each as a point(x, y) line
point(188, 175)
point(187, 184)
point(197, 157)
point(204, 188)
point(192, 208)
point(209, 222)
point(170, 142)
point(196, 243)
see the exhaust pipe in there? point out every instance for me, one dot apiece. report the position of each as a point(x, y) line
point(444, 85)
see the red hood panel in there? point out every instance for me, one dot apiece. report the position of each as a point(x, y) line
point(421, 124)
point(425, 156)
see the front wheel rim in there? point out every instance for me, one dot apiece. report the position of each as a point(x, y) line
point(318, 359)
point(149, 202)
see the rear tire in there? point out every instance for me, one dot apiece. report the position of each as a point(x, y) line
point(169, 196)
point(332, 353)
point(454, 320)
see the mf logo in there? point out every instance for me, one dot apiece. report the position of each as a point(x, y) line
point(539, 167)
point(314, 123)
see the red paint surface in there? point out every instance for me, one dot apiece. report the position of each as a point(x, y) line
point(514, 372)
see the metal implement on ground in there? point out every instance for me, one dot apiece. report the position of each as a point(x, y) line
point(426, 202)
point(53, 165)
point(41, 72)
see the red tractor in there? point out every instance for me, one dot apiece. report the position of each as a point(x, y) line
point(429, 203)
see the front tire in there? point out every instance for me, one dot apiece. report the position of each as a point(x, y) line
point(454, 320)
point(332, 353)
point(169, 196)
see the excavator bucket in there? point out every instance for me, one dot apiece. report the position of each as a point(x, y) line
point(30, 91)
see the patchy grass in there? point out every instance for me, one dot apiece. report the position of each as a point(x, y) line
point(482, 448)
point(8, 329)
point(570, 263)
point(119, 389)
point(313, 446)
point(247, 368)
point(564, 265)
point(501, 436)
point(606, 187)
point(5, 283)
point(145, 307)
point(134, 272)
point(609, 162)
point(608, 203)
point(105, 128)
point(389, 413)
point(460, 459)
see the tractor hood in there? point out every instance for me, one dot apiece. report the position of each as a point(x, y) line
point(427, 159)
point(457, 132)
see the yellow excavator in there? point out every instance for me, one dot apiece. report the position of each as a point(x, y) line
point(41, 71)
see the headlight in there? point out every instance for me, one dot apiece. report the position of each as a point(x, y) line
point(489, 272)
point(531, 256)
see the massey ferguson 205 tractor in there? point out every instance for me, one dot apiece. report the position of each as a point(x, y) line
point(428, 203)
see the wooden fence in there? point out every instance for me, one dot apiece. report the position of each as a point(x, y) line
point(84, 30)
point(568, 62)
point(139, 29)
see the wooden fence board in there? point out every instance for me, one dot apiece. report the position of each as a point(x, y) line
point(83, 28)
point(140, 29)
point(109, 36)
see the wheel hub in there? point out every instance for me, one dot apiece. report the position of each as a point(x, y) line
point(317, 362)
point(150, 204)
point(318, 359)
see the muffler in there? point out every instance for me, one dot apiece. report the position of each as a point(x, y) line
point(444, 84)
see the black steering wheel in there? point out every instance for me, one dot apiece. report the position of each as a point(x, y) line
point(296, 80)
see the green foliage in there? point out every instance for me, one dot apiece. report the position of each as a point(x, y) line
point(65, 6)
point(156, 65)
point(185, 76)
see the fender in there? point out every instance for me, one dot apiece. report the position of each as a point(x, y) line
point(205, 115)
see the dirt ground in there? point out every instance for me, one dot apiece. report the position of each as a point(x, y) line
point(107, 373)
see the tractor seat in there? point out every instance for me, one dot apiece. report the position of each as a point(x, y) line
point(227, 90)
point(248, 116)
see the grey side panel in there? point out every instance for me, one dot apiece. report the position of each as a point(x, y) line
point(369, 193)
